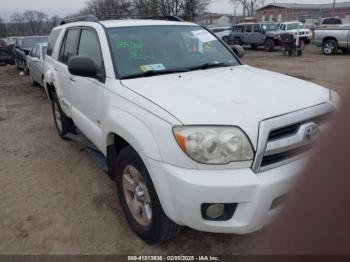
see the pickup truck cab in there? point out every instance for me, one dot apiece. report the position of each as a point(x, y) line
point(305, 34)
point(191, 135)
point(333, 39)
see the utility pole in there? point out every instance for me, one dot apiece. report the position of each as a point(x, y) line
point(333, 10)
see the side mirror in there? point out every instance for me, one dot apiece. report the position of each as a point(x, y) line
point(83, 66)
point(238, 50)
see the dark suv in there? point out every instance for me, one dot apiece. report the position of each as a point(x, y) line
point(23, 47)
point(256, 35)
point(6, 55)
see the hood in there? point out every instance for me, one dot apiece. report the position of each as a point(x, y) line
point(241, 95)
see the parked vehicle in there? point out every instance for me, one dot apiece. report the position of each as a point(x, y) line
point(6, 55)
point(222, 32)
point(333, 39)
point(35, 64)
point(305, 34)
point(22, 49)
point(330, 21)
point(191, 135)
point(256, 35)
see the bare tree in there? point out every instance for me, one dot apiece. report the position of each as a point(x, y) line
point(107, 7)
point(3, 30)
point(248, 6)
point(35, 20)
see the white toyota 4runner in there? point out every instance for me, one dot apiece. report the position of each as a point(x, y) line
point(191, 136)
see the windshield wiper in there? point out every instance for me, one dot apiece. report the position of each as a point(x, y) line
point(154, 73)
point(210, 65)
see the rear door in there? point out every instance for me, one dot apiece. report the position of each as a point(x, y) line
point(68, 49)
point(248, 35)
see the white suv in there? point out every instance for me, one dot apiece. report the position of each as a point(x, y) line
point(191, 136)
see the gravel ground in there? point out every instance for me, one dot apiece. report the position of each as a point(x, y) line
point(54, 199)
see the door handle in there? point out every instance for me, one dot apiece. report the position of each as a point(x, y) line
point(72, 80)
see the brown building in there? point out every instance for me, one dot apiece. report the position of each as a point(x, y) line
point(302, 12)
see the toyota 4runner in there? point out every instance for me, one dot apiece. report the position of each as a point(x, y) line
point(191, 135)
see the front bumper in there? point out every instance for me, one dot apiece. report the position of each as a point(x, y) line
point(183, 191)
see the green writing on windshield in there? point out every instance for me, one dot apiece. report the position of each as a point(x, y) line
point(136, 50)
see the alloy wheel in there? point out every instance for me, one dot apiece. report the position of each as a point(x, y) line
point(137, 196)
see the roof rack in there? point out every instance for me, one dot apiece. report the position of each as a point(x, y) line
point(96, 19)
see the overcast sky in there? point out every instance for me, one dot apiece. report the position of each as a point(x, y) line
point(65, 7)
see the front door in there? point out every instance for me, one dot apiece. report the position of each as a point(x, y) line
point(87, 92)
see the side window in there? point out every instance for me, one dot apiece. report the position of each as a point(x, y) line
point(284, 27)
point(52, 41)
point(249, 28)
point(69, 46)
point(257, 29)
point(90, 46)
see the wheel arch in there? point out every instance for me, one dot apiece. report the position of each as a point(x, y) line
point(329, 38)
point(123, 129)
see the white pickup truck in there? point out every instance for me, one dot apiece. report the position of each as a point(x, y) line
point(191, 135)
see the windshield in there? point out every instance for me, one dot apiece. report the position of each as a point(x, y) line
point(165, 49)
point(295, 26)
point(31, 42)
point(271, 27)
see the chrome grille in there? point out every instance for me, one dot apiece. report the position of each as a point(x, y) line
point(283, 139)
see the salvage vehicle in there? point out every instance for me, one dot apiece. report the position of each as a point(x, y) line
point(222, 32)
point(6, 55)
point(23, 47)
point(256, 35)
point(35, 64)
point(191, 135)
point(333, 39)
point(297, 28)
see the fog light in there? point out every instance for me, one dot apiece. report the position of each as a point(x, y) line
point(215, 211)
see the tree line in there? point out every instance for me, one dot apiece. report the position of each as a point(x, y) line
point(39, 23)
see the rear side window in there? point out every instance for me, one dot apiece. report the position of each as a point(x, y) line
point(52, 41)
point(70, 45)
point(90, 46)
point(249, 28)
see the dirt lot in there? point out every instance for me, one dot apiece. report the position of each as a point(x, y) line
point(55, 200)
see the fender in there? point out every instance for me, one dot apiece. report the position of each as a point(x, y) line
point(132, 130)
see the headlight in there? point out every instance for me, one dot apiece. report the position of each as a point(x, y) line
point(334, 98)
point(214, 145)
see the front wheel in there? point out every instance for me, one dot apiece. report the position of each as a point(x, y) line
point(139, 200)
point(330, 47)
point(269, 45)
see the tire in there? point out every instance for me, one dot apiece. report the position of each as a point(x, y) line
point(64, 124)
point(25, 68)
point(269, 45)
point(35, 84)
point(330, 47)
point(144, 215)
point(226, 39)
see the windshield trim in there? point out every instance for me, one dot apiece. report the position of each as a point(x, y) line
point(115, 68)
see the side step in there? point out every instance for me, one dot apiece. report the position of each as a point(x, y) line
point(90, 148)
